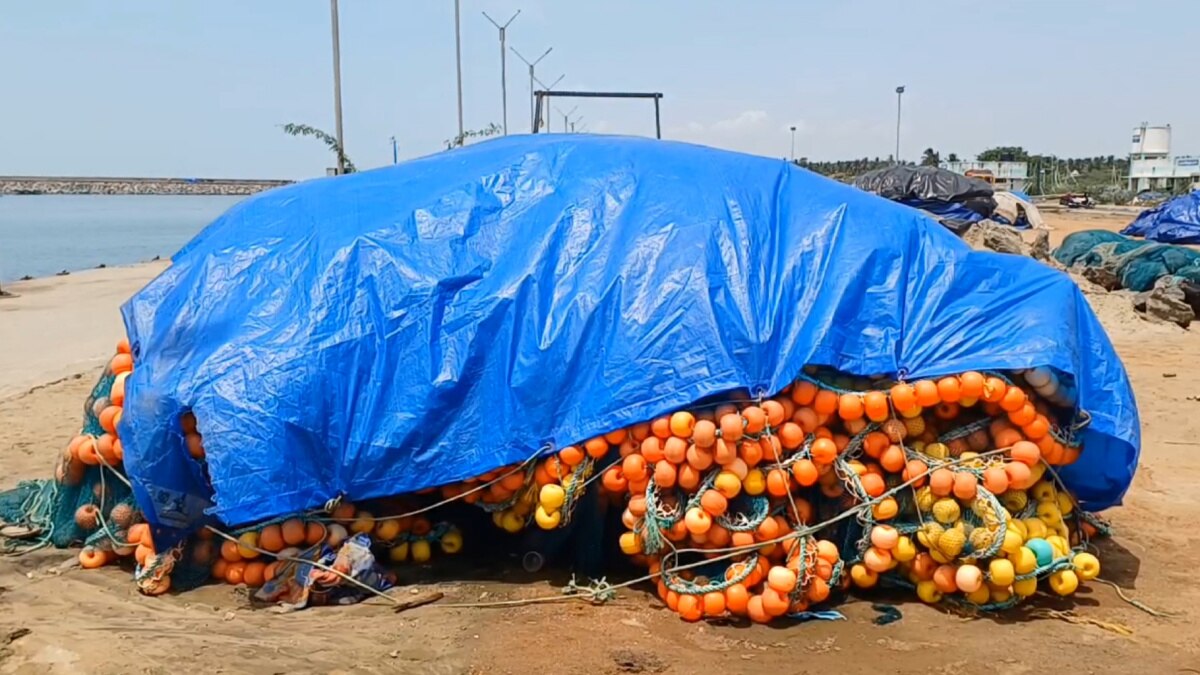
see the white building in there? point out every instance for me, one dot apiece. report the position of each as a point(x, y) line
point(1151, 165)
point(1004, 175)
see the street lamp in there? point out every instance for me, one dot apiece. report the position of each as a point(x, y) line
point(503, 68)
point(337, 88)
point(566, 117)
point(793, 128)
point(458, 64)
point(899, 93)
point(531, 65)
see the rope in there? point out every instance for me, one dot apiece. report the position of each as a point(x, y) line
point(1137, 603)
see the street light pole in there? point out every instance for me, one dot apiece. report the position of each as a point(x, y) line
point(395, 154)
point(503, 68)
point(793, 128)
point(532, 117)
point(566, 117)
point(899, 94)
point(458, 64)
point(337, 88)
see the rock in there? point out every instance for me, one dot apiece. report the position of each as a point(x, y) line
point(1101, 276)
point(988, 236)
point(1040, 248)
point(1166, 302)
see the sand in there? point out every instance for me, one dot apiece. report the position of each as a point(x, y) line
point(95, 622)
point(59, 326)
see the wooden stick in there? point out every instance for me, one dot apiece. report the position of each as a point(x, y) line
point(418, 601)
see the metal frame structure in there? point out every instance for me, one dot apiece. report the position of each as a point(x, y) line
point(542, 100)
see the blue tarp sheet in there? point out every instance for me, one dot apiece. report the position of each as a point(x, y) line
point(1176, 221)
point(409, 326)
point(951, 210)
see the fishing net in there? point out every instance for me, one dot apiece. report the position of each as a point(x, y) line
point(1133, 264)
point(85, 504)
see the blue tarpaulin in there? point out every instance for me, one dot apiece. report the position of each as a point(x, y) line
point(400, 328)
point(1176, 221)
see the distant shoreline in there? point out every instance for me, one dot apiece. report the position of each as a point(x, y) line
point(11, 285)
point(70, 185)
point(15, 286)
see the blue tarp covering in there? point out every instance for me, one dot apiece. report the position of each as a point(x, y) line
point(406, 327)
point(1176, 221)
point(952, 210)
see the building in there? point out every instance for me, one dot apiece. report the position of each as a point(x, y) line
point(1003, 175)
point(1151, 165)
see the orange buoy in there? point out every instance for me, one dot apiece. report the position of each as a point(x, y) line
point(674, 450)
point(875, 405)
point(805, 472)
point(122, 362)
point(941, 482)
point(704, 433)
point(972, 384)
point(965, 485)
point(1025, 452)
point(926, 393)
point(91, 557)
point(904, 398)
point(826, 402)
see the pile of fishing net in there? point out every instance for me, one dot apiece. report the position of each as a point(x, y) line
point(653, 347)
point(1135, 264)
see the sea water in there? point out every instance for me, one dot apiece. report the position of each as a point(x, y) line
point(41, 235)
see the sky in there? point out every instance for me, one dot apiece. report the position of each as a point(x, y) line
point(153, 88)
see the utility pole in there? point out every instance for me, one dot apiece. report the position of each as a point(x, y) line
point(458, 64)
point(566, 117)
point(899, 93)
point(395, 155)
point(337, 88)
point(503, 68)
point(793, 128)
point(531, 65)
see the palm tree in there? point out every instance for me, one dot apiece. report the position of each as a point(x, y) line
point(293, 129)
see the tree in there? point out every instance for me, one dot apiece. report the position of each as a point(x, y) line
point(1004, 154)
point(930, 157)
point(293, 129)
point(952, 157)
point(461, 139)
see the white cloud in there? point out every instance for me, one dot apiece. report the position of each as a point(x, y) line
point(750, 119)
point(753, 131)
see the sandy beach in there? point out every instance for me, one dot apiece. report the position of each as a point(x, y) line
point(96, 622)
point(60, 326)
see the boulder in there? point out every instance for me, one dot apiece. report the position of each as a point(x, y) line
point(1166, 302)
point(989, 236)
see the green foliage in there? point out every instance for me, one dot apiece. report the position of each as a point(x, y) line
point(293, 129)
point(848, 169)
point(1004, 154)
point(930, 157)
point(952, 157)
point(461, 139)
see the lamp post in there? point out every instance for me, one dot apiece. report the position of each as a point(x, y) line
point(793, 128)
point(503, 68)
point(337, 88)
point(899, 94)
point(532, 65)
point(458, 63)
